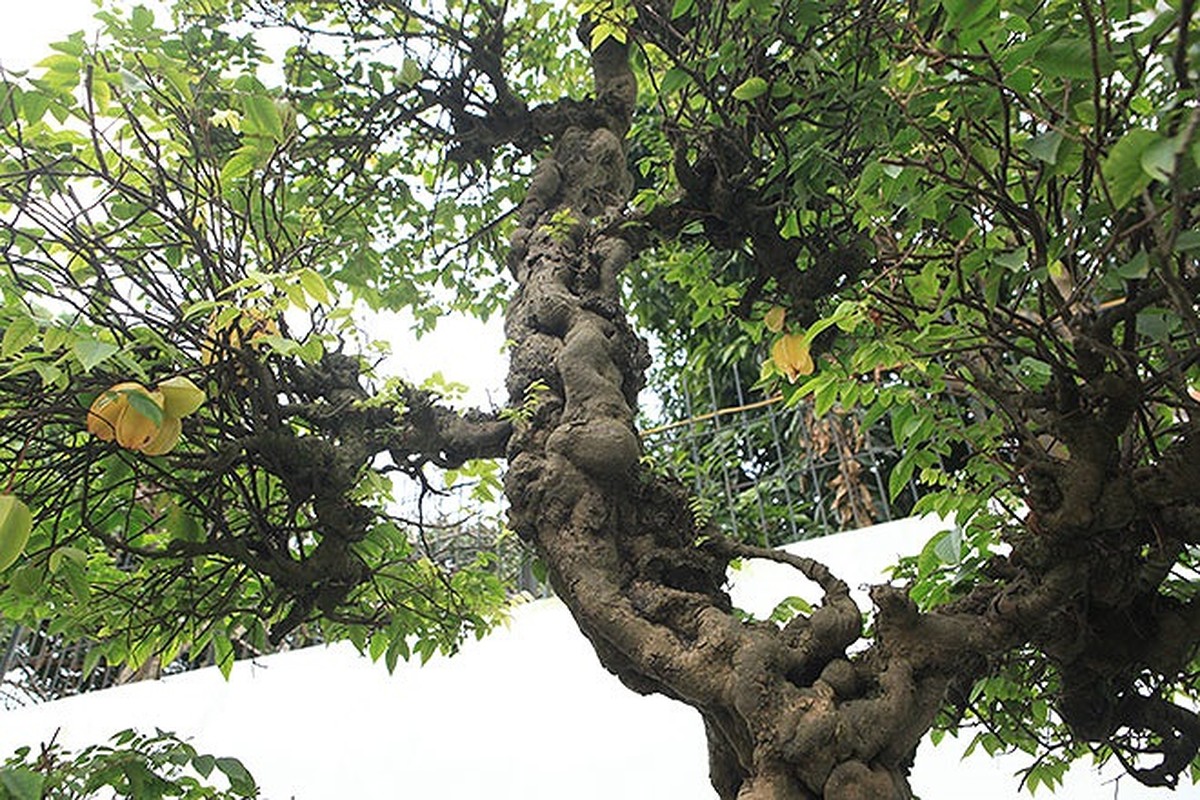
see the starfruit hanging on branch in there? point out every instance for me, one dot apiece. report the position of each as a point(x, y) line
point(145, 421)
point(791, 356)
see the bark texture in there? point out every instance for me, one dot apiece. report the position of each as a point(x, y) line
point(788, 715)
point(789, 712)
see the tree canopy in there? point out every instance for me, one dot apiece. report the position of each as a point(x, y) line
point(971, 222)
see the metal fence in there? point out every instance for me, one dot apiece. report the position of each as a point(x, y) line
point(773, 474)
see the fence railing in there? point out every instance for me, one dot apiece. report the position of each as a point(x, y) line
point(775, 474)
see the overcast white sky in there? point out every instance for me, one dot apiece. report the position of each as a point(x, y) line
point(29, 26)
point(464, 350)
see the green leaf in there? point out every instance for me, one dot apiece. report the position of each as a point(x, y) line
point(262, 116)
point(1157, 325)
point(22, 783)
point(750, 88)
point(1158, 160)
point(1137, 268)
point(91, 352)
point(92, 659)
point(410, 73)
point(378, 645)
point(425, 649)
point(141, 403)
point(605, 31)
point(34, 105)
point(1013, 261)
point(239, 777)
point(295, 295)
point(27, 580)
point(16, 522)
point(20, 334)
point(966, 14)
point(142, 19)
point(72, 46)
point(1072, 58)
point(949, 546)
point(1044, 146)
point(396, 650)
point(204, 764)
point(60, 62)
point(681, 7)
point(239, 165)
point(1122, 169)
point(280, 344)
point(73, 554)
point(791, 226)
point(183, 526)
point(674, 79)
point(790, 607)
point(315, 286)
point(223, 654)
point(1187, 241)
point(825, 397)
point(77, 581)
point(901, 474)
point(132, 82)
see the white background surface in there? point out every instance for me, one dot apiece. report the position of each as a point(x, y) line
point(525, 714)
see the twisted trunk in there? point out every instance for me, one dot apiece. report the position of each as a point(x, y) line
point(788, 712)
point(788, 715)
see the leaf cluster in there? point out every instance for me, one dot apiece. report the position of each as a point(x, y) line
point(134, 765)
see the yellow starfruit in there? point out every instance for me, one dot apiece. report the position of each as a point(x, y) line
point(791, 356)
point(167, 437)
point(774, 318)
point(107, 408)
point(180, 396)
point(135, 430)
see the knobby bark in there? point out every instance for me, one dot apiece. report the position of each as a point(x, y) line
point(789, 712)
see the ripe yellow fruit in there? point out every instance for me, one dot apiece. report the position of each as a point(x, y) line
point(167, 437)
point(790, 354)
point(106, 409)
point(15, 524)
point(180, 396)
point(136, 430)
point(114, 416)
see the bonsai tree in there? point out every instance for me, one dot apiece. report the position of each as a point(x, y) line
point(974, 221)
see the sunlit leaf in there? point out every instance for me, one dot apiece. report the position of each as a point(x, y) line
point(16, 523)
point(750, 88)
point(91, 352)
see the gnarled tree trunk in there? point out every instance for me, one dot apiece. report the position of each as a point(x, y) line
point(786, 713)
point(789, 712)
